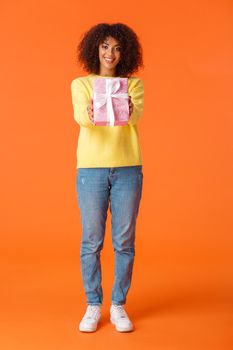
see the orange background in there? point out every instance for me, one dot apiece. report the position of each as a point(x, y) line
point(181, 293)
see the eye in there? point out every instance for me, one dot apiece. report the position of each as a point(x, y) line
point(105, 46)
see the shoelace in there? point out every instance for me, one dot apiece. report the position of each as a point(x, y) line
point(121, 311)
point(92, 312)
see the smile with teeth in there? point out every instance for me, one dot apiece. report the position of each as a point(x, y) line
point(109, 60)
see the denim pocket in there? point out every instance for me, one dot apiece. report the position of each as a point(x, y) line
point(80, 180)
point(140, 176)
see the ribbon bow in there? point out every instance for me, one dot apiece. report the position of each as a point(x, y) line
point(112, 86)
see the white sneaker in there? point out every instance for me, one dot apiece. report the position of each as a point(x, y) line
point(91, 318)
point(120, 319)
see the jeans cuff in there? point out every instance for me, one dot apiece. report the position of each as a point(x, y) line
point(117, 303)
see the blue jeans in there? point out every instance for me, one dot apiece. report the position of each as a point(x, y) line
point(96, 187)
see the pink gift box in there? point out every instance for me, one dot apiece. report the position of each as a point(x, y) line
point(110, 101)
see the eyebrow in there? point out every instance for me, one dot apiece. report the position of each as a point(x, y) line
point(108, 44)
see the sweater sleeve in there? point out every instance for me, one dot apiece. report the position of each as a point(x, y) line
point(136, 91)
point(80, 102)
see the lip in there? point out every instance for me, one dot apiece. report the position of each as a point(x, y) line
point(109, 60)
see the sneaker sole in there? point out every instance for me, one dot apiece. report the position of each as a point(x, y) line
point(121, 329)
point(87, 330)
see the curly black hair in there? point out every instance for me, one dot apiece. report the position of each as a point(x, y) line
point(131, 50)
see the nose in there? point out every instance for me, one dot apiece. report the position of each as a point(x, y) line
point(110, 51)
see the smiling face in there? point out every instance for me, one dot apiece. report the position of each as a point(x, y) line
point(109, 56)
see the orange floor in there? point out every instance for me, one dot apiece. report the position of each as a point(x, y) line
point(176, 304)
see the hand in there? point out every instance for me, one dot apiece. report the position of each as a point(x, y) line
point(131, 105)
point(90, 111)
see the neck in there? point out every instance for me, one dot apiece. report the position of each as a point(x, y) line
point(108, 73)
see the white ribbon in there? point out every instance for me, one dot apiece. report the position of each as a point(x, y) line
point(112, 86)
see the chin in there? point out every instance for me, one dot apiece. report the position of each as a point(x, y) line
point(109, 65)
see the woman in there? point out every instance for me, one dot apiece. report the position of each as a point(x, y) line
point(109, 168)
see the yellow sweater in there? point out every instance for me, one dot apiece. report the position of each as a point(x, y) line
point(106, 146)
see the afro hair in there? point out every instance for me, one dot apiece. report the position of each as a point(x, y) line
point(131, 50)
